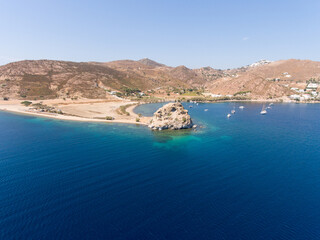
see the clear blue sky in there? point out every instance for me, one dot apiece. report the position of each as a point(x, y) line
point(221, 34)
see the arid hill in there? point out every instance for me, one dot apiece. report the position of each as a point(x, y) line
point(268, 80)
point(46, 79)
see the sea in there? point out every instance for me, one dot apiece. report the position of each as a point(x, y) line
point(250, 176)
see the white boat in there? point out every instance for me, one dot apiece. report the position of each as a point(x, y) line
point(241, 107)
point(229, 115)
point(263, 110)
point(233, 111)
point(206, 110)
point(270, 104)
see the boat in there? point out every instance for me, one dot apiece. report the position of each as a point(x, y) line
point(190, 106)
point(206, 110)
point(270, 104)
point(241, 107)
point(263, 110)
point(233, 111)
point(229, 115)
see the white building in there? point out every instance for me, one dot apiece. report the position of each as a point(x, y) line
point(312, 86)
point(216, 95)
point(306, 96)
point(295, 97)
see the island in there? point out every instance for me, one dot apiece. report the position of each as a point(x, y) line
point(171, 116)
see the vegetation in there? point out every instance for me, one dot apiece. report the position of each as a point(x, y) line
point(109, 118)
point(45, 108)
point(313, 80)
point(26, 103)
point(137, 119)
point(131, 91)
point(147, 99)
point(192, 92)
point(119, 94)
point(241, 93)
point(218, 99)
point(122, 110)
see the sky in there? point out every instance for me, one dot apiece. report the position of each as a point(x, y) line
point(221, 34)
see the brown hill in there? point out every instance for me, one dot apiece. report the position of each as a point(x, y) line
point(270, 80)
point(53, 79)
point(57, 79)
point(151, 63)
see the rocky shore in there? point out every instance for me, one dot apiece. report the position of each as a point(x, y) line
point(171, 116)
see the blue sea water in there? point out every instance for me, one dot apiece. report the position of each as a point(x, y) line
point(247, 177)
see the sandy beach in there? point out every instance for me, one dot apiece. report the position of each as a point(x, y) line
point(88, 110)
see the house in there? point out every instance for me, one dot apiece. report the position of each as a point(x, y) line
point(215, 95)
point(295, 97)
point(312, 86)
point(306, 97)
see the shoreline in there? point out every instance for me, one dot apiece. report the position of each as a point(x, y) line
point(18, 108)
point(69, 118)
point(15, 106)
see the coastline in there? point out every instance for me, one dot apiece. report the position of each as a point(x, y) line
point(85, 106)
point(15, 106)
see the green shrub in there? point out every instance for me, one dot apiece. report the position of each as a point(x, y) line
point(26, 103)
point(109, 118)
point(137, 119)
point(122, 110)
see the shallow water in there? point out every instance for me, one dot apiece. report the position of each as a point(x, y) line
point(247, 177)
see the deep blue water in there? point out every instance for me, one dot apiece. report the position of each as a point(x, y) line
point(247, 177)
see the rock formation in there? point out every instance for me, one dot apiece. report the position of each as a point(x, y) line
point(171, 116)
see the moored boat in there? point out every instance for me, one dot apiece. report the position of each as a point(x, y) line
point(263, 110)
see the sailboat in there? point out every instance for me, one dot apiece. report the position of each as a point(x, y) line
point(263, 110)
point(233, 111)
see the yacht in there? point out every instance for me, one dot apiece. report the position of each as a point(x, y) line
point(241, 107)
point(263, 110)
point(233, 111)
point(229, 115)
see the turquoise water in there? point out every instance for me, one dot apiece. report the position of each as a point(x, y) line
point(247, 177)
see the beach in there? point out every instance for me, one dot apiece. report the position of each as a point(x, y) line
point(87, 110)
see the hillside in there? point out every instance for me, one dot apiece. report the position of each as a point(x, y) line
point(269, 80)
point(47, 79)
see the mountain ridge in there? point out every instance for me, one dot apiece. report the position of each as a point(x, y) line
point(62, 79)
